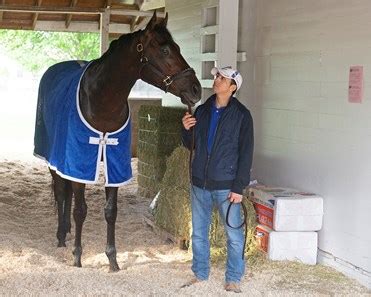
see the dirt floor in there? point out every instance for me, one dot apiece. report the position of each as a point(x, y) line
point(31, 264)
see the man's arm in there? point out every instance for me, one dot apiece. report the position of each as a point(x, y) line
point(188, 122)
point(246, 149)
point(186, 137)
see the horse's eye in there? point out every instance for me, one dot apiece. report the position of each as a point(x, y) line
point(165, 51)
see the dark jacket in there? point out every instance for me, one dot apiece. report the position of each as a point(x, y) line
point(229, 163)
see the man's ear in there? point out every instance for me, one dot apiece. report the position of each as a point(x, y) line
point(234, 87)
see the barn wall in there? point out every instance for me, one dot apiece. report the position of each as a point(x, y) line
point(184, 24)
point(308, 136)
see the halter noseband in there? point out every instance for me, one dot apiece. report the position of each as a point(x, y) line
point(166, 79)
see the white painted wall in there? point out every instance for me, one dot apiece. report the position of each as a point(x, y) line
point(308, 136)
point(184, 23)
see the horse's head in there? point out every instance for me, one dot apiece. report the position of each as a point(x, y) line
point(163, 65)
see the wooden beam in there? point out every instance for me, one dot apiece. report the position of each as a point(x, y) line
point(136, 13)
point(108, 3)
point(2, 2)
point(133, 23)
point(138, 4)
point(19, 25)
point(51, 10)
point(59, 26)
point(147, 5)
point(141, 24)
point(76, 10)
point(35, 16)
point(104, 31)
point(69, 16)
point(91, 27)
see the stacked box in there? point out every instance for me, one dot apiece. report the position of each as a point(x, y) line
point(288, 220)
point(288, 246)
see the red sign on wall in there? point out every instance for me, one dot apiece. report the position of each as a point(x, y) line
point(355, 89)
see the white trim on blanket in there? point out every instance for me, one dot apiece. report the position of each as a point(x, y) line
point(82, 117)
point(67, 176)
point(82, 180)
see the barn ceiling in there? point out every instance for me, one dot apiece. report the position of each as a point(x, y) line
point(77, 15)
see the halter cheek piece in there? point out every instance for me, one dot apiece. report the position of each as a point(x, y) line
point(167, 80)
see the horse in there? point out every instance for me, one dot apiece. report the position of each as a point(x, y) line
point(83, 118)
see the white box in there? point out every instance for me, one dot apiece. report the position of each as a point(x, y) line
point(290, 246)
point(284, 209)
point(293, 246)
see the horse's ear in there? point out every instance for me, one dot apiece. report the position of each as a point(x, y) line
point(164, 20)
point(152, 22)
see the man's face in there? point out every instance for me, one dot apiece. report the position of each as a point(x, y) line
point(223, 85)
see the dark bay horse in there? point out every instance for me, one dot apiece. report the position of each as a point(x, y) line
point(83, 118)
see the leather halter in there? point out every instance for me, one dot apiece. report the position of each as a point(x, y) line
point(167, 80)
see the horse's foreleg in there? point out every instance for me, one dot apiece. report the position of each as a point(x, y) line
point(110, 213)
point(79, 214)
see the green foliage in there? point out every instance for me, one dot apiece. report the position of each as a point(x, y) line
point(37, 50)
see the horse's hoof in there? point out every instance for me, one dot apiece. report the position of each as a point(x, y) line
point(114, 268)
point(77, 264)
point(61, 244)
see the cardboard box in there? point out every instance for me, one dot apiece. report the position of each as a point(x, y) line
point(288, 246)
point(285, 209)
point(262, 237)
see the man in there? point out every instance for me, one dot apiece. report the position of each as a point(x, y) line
point(223, 150)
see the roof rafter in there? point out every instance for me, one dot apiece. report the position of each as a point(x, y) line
point(108, 3)
point(35, 16)
point(138, 3)
point(2, 2)
point(69, 16)
point(75, 15)
point(49, 9)
point(76, 10)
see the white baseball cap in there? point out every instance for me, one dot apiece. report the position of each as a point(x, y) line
point(230, 73)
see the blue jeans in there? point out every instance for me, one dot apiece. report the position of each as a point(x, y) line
point(202, 206)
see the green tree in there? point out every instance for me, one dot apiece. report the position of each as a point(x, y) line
point(37, 50)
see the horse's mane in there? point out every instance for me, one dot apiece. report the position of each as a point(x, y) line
point(161, 31)
point(123, 39)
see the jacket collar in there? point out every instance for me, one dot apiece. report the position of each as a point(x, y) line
point(212, 98)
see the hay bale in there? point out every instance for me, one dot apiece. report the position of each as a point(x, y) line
point(173, 210)
point(159, 133)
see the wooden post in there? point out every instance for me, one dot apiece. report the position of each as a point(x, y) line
point(104, 30)
point(228, 33)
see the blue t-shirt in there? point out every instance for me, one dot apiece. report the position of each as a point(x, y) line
point(216, 113)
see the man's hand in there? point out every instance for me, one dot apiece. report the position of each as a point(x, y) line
point(235, 198)
point(188, 121)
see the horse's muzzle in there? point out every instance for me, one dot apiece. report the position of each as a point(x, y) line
point(192, 95)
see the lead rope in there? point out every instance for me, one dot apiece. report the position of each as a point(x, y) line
point(191, 150)
point(244, 223)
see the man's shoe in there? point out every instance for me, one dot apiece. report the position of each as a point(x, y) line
point(233, 287)
point(191, 282)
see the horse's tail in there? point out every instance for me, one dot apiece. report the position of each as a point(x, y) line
point(52, 197)
point(67, 184)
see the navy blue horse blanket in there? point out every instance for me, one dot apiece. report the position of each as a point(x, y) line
point(72, 147)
